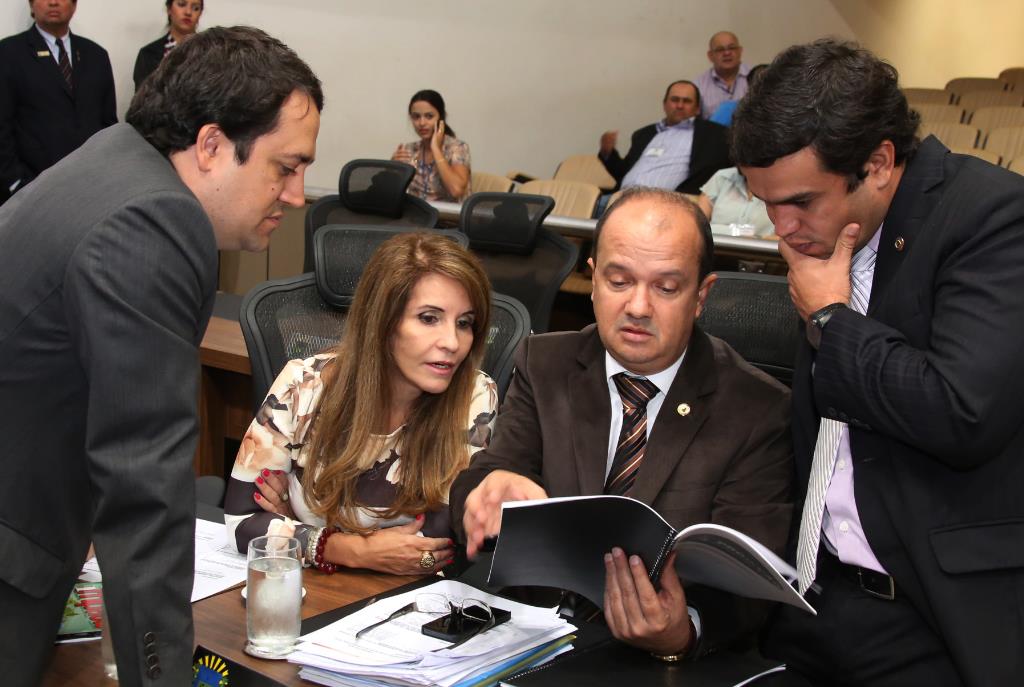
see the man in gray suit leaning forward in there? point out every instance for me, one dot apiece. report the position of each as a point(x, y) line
point(645, 405)
point(108, 263)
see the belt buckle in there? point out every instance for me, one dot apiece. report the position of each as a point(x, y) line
point(887, 596)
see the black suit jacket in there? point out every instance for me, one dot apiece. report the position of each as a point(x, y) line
point(710, 153)
point(149, 58)
point(107, 282)
point(727, 461)
point(929, 383)
point(41, 119)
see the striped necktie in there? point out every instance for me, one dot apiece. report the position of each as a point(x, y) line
point(635, 393)
point(63, 62)
point(826, 449)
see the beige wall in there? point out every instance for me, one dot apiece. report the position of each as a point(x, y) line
point(531, 82)
point(528, 82)
point(933, 41)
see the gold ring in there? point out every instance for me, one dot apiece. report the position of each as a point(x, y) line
point(427, 560)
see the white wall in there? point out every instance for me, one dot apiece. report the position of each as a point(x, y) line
point(933, 41)
point(527, 82)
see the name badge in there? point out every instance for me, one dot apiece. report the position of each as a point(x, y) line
point(43, 53)
point(654, 152)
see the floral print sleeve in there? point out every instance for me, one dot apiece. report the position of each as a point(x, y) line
point(276, 438)
point(482, 410)
point(273, 441)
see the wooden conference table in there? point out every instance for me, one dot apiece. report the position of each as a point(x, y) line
point(220, 627)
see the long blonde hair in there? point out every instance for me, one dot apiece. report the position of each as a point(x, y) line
point(356, 400)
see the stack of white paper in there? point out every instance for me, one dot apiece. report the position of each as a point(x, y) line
point(398, 653)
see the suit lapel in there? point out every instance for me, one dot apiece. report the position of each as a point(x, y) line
point(38, 46)
point(591, 408)
point(76, 63)
point(911, 207)
point(674, 431)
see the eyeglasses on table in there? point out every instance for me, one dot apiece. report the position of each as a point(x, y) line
point(461, 610)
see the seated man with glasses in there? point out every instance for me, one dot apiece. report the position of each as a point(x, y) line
point(726, 79)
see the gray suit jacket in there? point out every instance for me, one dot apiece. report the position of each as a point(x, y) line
point(107, 277)
point(729, 461)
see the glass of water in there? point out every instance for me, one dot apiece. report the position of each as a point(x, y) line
point(273, 596)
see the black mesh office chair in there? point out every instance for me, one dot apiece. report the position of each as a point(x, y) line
point(369, 192)
point(510, 324)
point(522, 258)
point(284, 319)
point(341, 252)
point(754, 314)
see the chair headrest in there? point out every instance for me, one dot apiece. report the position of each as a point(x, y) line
point(504, 222)
point(341, 252)
point(375, 187)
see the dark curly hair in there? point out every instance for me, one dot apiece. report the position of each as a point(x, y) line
point(833, 96)
point(236, 77)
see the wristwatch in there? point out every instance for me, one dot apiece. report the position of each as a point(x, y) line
point(817, 321)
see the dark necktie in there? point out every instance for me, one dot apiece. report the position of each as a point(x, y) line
point(635, 393)
point(63, 61)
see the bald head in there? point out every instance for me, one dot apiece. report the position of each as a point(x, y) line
point(725, 54)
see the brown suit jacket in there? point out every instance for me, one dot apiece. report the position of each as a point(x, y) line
point(728, 461)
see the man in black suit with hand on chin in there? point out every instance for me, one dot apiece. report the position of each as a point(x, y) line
point(56, 90)
point(905, 264)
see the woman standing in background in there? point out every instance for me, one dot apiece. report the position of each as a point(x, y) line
point(182, 20)
point(441, 160)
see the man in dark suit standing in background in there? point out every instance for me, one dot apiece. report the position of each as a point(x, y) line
point(680, 152)
point(56, 90)
point(108, 267)
point(905, 261)
point(644, 404)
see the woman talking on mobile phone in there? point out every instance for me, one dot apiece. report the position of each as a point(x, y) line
point(441, 160)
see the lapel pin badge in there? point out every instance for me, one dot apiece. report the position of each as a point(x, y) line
point(43, 53)
point(683, 409)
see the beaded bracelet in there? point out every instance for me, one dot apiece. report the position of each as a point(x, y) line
point(319, 560)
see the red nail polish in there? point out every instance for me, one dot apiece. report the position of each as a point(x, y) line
point(259, 480)
point(257, 495)
point(419, 517)
point(449, 561)
point(277, 472)
point(266, 473)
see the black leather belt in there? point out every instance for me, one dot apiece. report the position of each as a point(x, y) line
point(878, 585)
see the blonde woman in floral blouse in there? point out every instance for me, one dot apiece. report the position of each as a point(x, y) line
point(442, 161)
point(353, 450)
